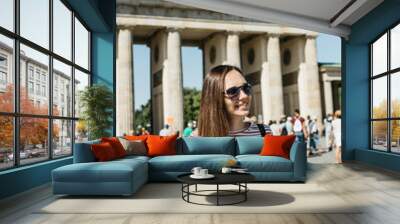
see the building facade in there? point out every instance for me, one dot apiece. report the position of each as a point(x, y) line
point(34, 84)
point(280, 62)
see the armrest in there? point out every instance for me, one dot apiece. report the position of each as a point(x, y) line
point(83, 152)
point(298, 155)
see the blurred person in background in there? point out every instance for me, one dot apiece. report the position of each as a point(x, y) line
point(337, 135)
point(314, 136)
point(165, 131)
point(188, 130)
point(299, 126)
point(328, 132)
point(289, 125)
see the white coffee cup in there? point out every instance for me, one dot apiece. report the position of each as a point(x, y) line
point(203, 172)
point(226, 170)
point(196, 171)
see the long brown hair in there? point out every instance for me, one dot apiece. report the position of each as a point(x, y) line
point(213, 117)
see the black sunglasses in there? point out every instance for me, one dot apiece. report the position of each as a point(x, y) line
point(234, 91)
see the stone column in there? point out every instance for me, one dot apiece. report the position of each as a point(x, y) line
point(271, 78)
point(172, 81)
point(124, 83)
point(328, 96)
point(308, 81)
point(233, 49)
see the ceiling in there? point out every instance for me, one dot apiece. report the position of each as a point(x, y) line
point(326, 16)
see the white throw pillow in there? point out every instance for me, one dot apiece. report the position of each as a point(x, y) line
point(134, 147)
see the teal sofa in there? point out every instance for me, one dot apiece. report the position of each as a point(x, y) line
point(125, 176)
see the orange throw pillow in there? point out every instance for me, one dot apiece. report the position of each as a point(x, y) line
point(103, 152)
point(277, 145)
point(161, 145)
point(116, 145)
point(136, 137)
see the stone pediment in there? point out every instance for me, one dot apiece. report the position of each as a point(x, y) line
point(167, 9)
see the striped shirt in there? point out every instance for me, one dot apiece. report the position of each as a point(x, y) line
point(251, 129)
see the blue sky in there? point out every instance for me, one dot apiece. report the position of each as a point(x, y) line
point(328, 50)
point(34, 26)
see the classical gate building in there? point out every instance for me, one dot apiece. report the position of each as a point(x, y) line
point(280, 62)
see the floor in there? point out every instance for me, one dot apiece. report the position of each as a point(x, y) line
point(378, 188)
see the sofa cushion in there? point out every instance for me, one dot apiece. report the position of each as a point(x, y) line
point(136, 137)
point(207, 145)
point(161, 145)
point(103, 152)
point(83, 152)
point(133, 147)
point(112, 171)
point(185, 163)
point(128, 159)
point(257, 163)
point(249, 145)
point(116, 145)
point(277, 145)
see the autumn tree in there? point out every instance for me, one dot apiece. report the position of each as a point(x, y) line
point(380, 127)
point(6, 122)
point(33, 131)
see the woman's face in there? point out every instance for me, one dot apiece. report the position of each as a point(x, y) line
point(240, 104)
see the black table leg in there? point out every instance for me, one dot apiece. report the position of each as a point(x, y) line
point(182, 190)
point(242, 191)
point(217, 194)
point(245, 193)
point(188, 190)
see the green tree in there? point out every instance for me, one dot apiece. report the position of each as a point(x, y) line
point(191, 107)
point(191, 104)
point(96, 102)
point(143, 116)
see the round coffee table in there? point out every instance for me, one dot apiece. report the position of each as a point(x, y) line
point(238, 179)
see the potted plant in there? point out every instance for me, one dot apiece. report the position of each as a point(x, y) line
point(96, 103)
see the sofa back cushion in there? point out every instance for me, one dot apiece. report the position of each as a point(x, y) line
point(133, 147)
point(83, 152)
point(161, 145)
point(136, 137)
point(104, 151)
point(118, 148)
point(249, 145)
point(277, 145)
point(206, 145)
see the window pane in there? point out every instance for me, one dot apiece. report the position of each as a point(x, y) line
point(395, 136)
point(81, 131)
point(81, 81)
point(33, 139)
point(395, 94)
point(379, 135)
point(62, 89)
point(395, 47)
point(6, 74)
point(34, 81)
point(379, 97)
point(62, 29)
point(35, 21)
point(379, 55)
point(81, 45)
point(7, 14)
point(6, 142)
point(62, 138)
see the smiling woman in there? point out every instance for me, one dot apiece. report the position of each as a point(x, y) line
point(225, 102)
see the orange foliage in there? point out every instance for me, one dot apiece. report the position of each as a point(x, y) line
point(34, 130)
point(380, 111)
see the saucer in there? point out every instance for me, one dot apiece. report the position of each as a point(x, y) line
point(208, 176)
